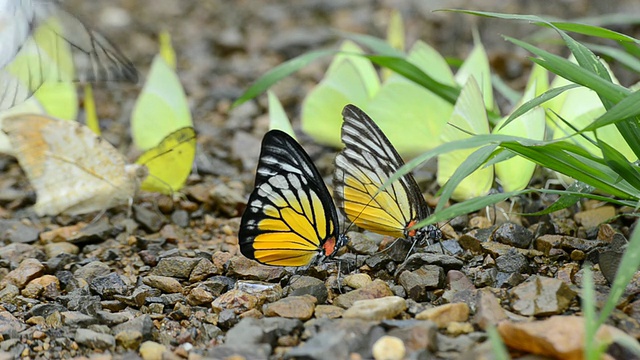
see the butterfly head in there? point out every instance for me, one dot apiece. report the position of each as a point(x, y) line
point(424, 235)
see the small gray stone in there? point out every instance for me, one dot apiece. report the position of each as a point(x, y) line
point(418, 283)
point(415, 261)
point(202, 270)
point(94, 340)
point(77, 319)
point(541, 296)
point(149, 219)
point(180, 218)
point(9, 324)
point(143, 324)
point(176, 266)
point(512, 262)
point(45, 310)
point(361, 244)
point(109, 285)
point(15, 231)
point(514, 235)
point(307, 285)
point(92, 270)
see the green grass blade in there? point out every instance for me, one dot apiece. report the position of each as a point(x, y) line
point(623, 57)
point(575, 162)
point(618, 163)
point(567, 199)
point(468, 206)
point(538, 100)
point(588, 298)
point(574, 73)
point(579, 28)
point(623, 110)
point(497, 345)
point(415, 74)
point(471, 164)
point(279, 72)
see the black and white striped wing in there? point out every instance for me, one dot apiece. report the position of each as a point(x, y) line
point(290, 217)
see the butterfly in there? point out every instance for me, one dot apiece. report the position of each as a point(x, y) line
point(42, 43)
point(74, 171)
point(362, 167)
point(290, 218)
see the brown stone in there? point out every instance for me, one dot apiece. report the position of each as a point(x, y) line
point(444, 314)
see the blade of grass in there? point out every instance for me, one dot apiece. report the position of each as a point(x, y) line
point(279, 72)
point(618, 163)
point(588, 299)
point(626, 59)
point(623, 110)
point(497, 345)
point(469, 165)
point(538, 100)
point(574, 73)
point(584, 29)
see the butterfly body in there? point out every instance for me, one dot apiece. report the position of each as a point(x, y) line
point(290, 217)
point(362, 167)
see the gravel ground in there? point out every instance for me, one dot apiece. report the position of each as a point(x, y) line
point(168, 282)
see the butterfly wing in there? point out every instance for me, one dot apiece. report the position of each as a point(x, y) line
point(169, 163)
point(42, 42)
point(362, 167)
point(72, 170)
point(290, 216)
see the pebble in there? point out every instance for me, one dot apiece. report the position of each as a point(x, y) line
point(163, 283)
point(94, 340)
point(361, 244)
point(376, 289)
point(418, 283)
point(199, 296)
point(9, 324)
point(28, 270)
point(540, 296)
point(292, 307)
point(513, 235)
point(357, 281)
point(92, 270)
point(416, 335)
point(376, 309)
point(202, 270)
point(558, 337)
point(54, 249)
point(237, 301)
point(109, 285)
point(150, 350)
point(328, 311)
point(142, 324)
point(309, 285)
point(15, 231)
point(488, 310)
point(244, 268)
point(388, 348)
point(444, 314)
point(594, 217)
point(175, 267)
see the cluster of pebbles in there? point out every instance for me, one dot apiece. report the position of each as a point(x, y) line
point(165, 280)
point(169, 282)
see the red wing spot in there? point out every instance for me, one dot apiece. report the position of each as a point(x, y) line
point(411, 233)
point(329, 246)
